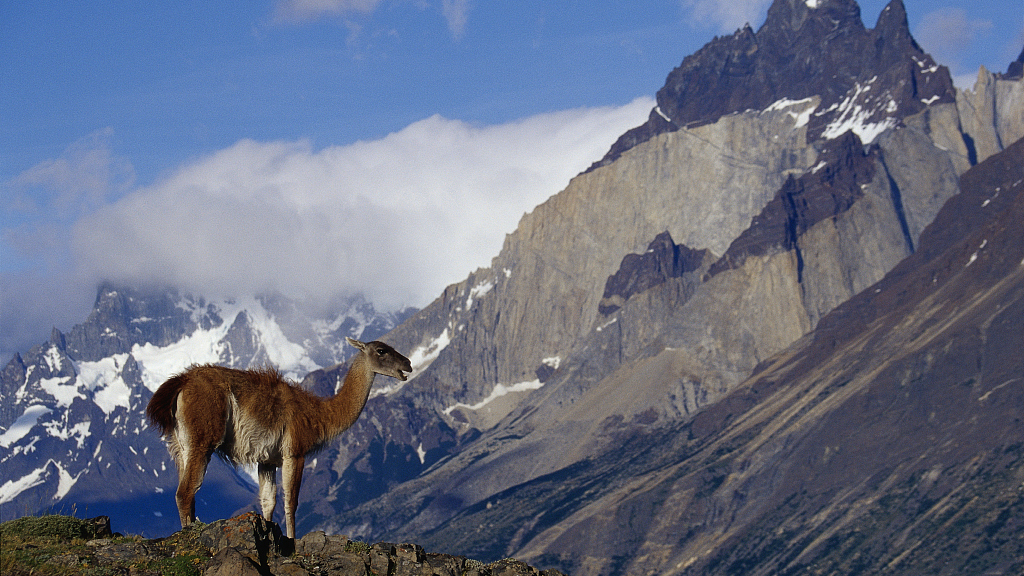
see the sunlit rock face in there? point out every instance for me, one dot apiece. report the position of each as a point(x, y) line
point(792, 197)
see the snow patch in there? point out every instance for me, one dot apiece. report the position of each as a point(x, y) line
point(853, 116)
point(12, 488)
point(79, 431)
point(478, 291)
point(23, 390)
point(53, 361)
point(925, 68)
point(65, 481)
point(421, 453)
point(61, 391)
point(290, 358)
point(423, 356)
point(158, 363)
point(499, 391)
point(103, 379)
point(23, 424)
point(801, 116)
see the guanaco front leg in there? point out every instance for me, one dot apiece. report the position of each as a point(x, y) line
point(268, 490)
point(291, 477)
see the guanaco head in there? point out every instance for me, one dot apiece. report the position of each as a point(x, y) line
point(383, 359)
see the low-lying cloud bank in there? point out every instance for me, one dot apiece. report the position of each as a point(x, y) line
point(397, 219)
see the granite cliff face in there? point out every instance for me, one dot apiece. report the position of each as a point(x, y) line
point(585, 332)
point(886, 441)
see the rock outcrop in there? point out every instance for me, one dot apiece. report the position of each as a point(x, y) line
point(245, 545)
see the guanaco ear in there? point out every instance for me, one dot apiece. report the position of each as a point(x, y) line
point(356, 343)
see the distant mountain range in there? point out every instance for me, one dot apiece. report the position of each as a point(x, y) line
point(776, 329)
point(73, 409)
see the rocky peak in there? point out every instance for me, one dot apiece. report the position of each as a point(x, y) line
point(794, 21)
point(804, 49)
point(124, 316)
point(663, 260)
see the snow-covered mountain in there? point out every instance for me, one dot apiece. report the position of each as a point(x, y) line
point(72, 409)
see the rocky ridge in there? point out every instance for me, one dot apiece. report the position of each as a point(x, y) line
point(240, 546)
point(802, 51)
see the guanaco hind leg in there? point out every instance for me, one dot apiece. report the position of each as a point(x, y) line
point(190, 478)
point(291, 477)
point(194, 440)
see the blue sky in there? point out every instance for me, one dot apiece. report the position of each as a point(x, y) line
point(244, 146)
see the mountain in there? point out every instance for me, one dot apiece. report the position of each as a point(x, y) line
point(764, 334)
point(650, 289)
point(886, 441)
point(72, 410)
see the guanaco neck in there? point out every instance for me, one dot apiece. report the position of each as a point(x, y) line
point(348, 403)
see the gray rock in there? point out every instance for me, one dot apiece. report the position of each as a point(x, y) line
point(231, 562)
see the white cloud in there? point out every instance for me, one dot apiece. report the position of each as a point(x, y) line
point(305, 10)
point(398, 218)
point(727, 15)
point(86, 175)
point(38, 286)
point(455, 12)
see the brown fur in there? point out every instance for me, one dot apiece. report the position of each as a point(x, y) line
point(161, 407)
point(256, 416)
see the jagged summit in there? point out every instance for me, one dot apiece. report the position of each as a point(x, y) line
point(804, 49)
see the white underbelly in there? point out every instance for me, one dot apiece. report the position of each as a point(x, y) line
point(250, 442)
